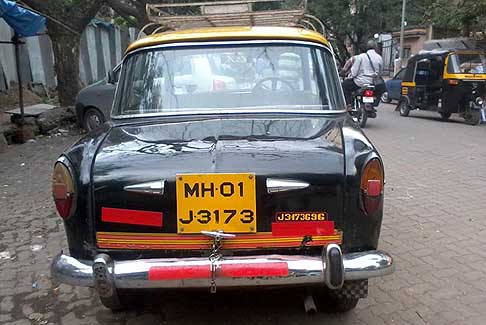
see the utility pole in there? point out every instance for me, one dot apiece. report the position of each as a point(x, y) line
point(17, 42)
point(402, 32)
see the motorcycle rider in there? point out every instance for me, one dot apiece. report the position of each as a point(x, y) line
point(346, 69)
point(366, 65)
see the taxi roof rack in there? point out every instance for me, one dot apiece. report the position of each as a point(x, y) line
point(176, 16)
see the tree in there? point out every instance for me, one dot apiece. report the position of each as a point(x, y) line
point(76, 14)
point(355, 21)
point(132, 11)
point(459, 16)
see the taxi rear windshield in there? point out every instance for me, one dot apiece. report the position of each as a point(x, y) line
point(228, 77)
point(467, 63)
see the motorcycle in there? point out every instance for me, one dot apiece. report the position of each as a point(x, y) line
point(364, 103)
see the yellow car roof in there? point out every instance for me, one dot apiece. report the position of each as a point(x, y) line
point(229, 33)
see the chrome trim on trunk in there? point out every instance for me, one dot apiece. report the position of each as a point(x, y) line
point(302, 270)
point(155, 187)
point(275, 185)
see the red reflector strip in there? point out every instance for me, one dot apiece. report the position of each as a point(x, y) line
point(254, 270)
point(131, 217)
point(179, 272)
point(374, 187)
point(302, 228)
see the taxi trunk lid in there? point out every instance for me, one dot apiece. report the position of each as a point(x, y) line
point(307, 150)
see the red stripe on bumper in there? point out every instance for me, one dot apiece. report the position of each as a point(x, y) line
point(131, 217)
point(179, 272)
point(303, 228)
point(225, 270)
point(254, 270)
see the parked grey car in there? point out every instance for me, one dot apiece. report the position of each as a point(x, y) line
point(93, 103)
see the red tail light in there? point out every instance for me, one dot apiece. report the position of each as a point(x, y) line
point(368, 93)
point(218, 84)
point(372, 182)
point(63, 190)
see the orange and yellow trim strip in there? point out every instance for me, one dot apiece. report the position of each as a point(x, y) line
point(145, 241)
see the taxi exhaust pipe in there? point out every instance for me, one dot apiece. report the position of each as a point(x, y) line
point(309, 304)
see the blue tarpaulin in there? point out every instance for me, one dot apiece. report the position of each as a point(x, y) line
point(23, 21)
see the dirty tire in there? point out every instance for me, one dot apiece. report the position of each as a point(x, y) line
point(473, 117)
point(362, 117)
point(403, 108)
point(329, 303)
point(92, 119)
point(445, 115)
point(124, 300)
point(342, 305)
point(113, 303)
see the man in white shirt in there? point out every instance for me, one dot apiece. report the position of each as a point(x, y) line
point(365, 67)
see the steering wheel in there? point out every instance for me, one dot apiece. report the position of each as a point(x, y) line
point(260, 84)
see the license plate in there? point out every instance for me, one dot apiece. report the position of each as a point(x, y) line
point(368, 99)
point(214, 202)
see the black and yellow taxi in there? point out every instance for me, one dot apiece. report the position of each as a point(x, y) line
point(229, 161)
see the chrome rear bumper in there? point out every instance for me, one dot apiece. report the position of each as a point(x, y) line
point(103, 273)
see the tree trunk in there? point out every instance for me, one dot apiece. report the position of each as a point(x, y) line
point(65, 43)
point(466, 28)
point(65, 46)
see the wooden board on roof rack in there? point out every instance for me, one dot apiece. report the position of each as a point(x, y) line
point(178, 16)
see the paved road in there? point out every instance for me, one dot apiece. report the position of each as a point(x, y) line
point(435, 224)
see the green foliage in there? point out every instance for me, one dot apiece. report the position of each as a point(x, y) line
point(125, 22)
point(464, 16)
point(355, 21)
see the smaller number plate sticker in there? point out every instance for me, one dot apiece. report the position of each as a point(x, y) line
point(300, 216)
point(214, 202)
point(368, 99)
